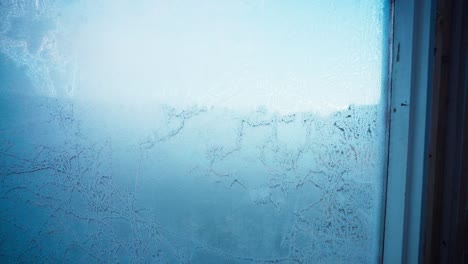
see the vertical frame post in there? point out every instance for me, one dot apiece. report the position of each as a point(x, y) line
point(409, 82)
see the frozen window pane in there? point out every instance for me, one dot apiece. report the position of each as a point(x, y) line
point(192, 131)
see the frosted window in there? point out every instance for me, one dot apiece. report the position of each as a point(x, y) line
point(192, 131)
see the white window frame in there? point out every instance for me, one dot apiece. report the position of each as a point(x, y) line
point(409, 82)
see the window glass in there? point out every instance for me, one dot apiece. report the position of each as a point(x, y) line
point(192, 131)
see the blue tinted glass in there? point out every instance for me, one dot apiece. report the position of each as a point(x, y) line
point(192, 131)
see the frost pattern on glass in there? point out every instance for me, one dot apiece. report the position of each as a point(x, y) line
point(92, 173)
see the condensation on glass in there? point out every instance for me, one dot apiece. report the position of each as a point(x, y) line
point(192, 131)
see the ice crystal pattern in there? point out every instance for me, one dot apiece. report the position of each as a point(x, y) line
point(89, 182)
